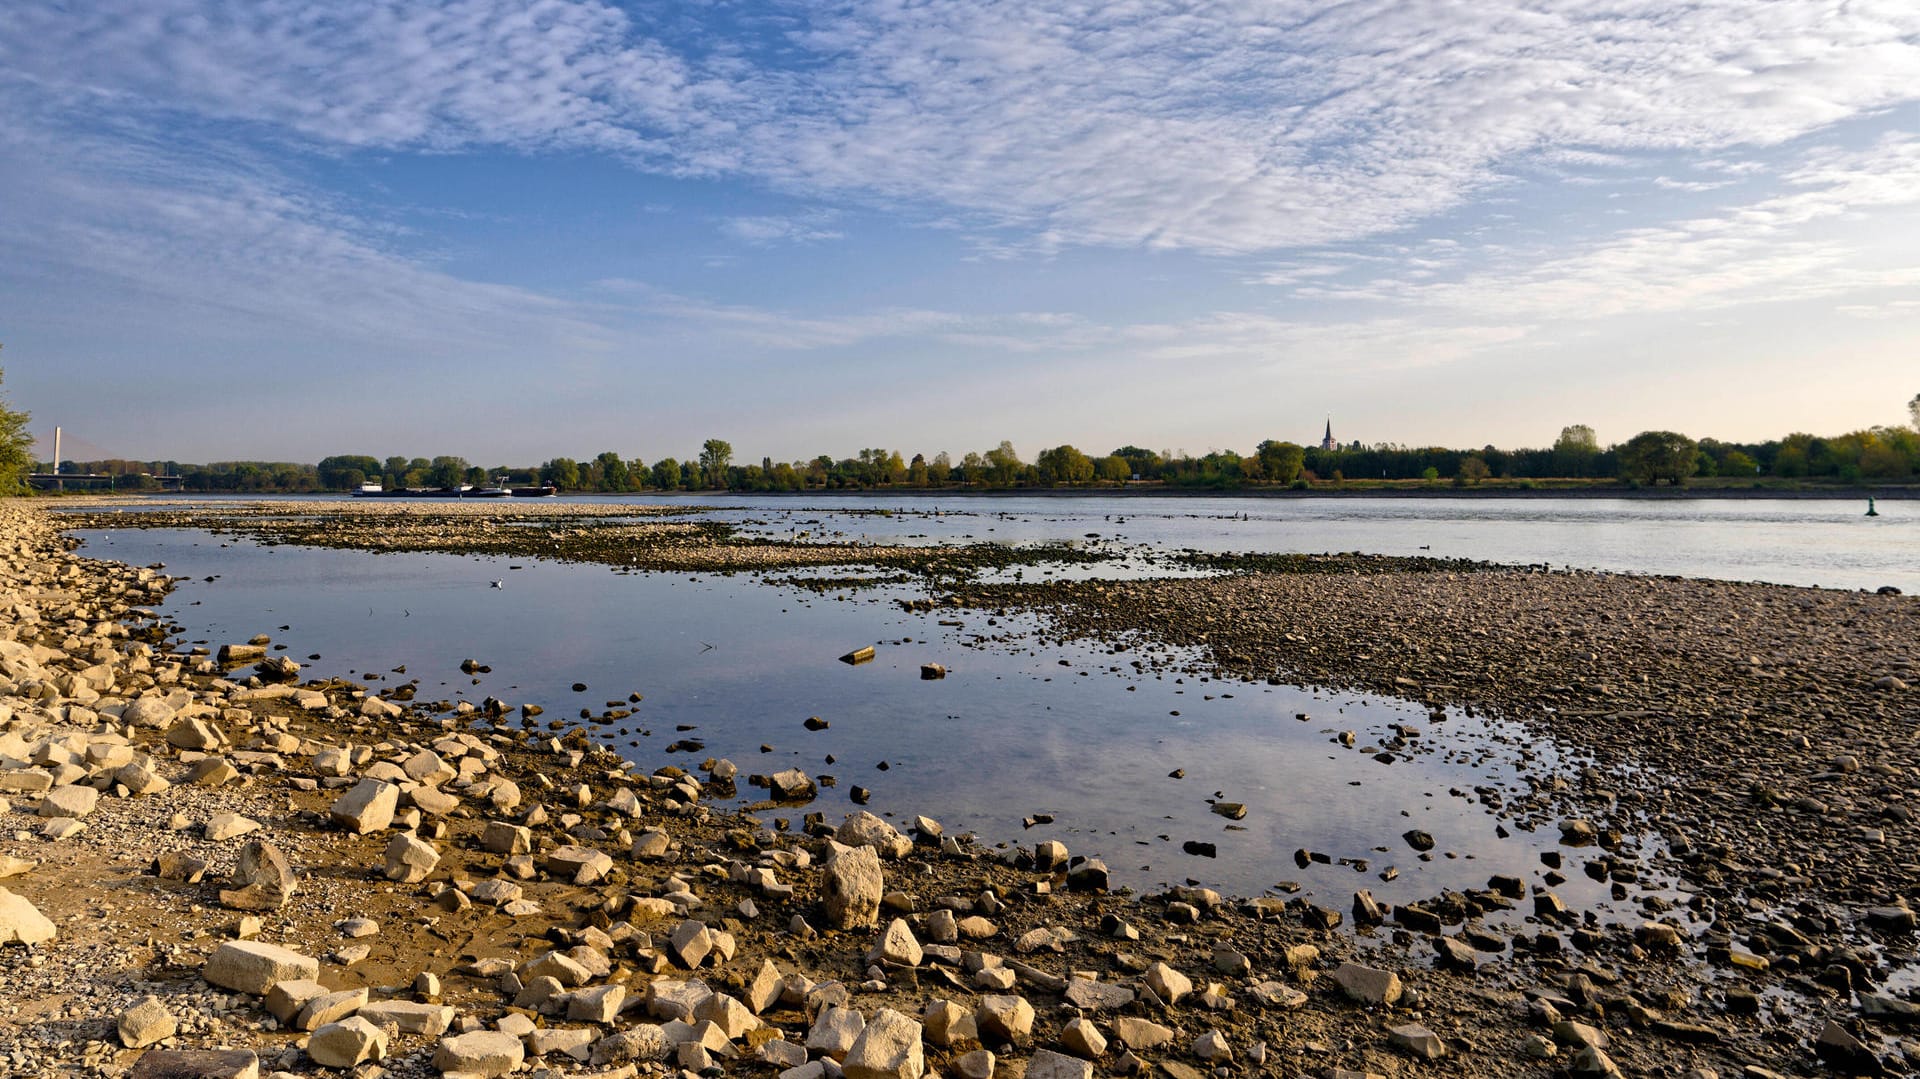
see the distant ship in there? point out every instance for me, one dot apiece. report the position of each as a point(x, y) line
point(375, 490)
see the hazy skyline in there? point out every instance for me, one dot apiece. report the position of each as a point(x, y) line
point(511, 230)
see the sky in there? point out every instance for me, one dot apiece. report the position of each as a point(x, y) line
point(517, 229)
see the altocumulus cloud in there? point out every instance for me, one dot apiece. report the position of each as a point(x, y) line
point(1219, 126)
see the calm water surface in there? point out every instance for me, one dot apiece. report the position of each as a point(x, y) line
point(1016, 729)
point(1013, 731)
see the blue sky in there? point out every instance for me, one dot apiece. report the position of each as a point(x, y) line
point(511, 230)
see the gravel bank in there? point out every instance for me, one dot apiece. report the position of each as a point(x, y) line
point(509, 895)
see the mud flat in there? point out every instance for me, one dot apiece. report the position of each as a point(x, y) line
point(208, 853)
point(627, 535)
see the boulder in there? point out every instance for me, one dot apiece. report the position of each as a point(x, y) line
point(346, 1043)
point(330, 1008)
point(581, 865)
point(1004, 1019)
point(410, 859)
point(262, 879)
point(147, 712)
point(407, 1017)
point(1368, 985)
point(1047, 1064)
point(896, 946)
point(503, 838)
point(69, 801)
point(224, 826)
point(863, 829)
point(251, 966)
point(854, 885)
point(146, 1023)
point(888, 1048)
point(484, 1053)
point(368, 807)
point(196, 1064)
point(21, 922)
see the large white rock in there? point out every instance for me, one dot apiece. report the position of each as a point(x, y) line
point(21, 921)
point(854, 887)
point(252, 966)
point(889, 1048)
point(486, 1053)
point(368, 807)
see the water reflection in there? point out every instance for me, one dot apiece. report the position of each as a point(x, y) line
point(1016, 729)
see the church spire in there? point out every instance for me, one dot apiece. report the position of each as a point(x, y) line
point(1328, 443)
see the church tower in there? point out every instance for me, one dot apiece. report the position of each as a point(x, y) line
point(1328, 443)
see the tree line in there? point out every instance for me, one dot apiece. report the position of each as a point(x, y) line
point(1889, 454)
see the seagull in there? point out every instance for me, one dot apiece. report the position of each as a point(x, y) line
point(499, 584)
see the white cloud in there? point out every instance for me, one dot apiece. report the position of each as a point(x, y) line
point(766, 230)
point(1220, 125)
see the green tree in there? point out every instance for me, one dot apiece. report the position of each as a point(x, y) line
point(917, 472)
point(1652, 456)
point(1281, 461)
point(1737, 463)
point(447, 471)
point(613, 472)
point(1575, 451)
point(666, 474)
point(1913, 410)
point(16, 460)
point(715, 455)
point(1473, 469)
point(1115, 469)
point(1005, 464)
point(346, 471)
point(1063, 464)
point(562, 472)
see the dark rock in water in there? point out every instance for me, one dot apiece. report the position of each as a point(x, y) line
point(1418, 840)
point(1199, 849)
point(815, 723)
point(859, 796)
point(1887, 590)
point(931, 671)
point(1230, 810)
point(858, 655)
point(579, 687)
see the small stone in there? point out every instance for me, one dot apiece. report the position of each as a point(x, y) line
point(196, 1064)
point(224, 826)
point(1212, 1047)
point(329, 1008)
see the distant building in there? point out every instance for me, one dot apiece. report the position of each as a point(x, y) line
point(1328, 443)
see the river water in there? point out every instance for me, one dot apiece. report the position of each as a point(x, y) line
point(1017, 730)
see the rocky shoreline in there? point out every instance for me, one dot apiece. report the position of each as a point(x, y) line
point(251, 873)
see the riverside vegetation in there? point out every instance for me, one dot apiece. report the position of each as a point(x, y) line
point(220, 865)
